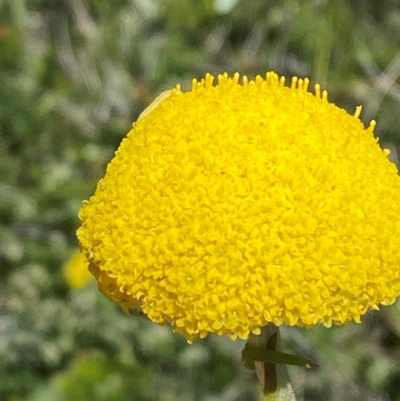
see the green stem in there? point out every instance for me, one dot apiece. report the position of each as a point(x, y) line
point(273, 378)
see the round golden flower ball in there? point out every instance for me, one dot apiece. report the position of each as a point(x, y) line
point(235, 205)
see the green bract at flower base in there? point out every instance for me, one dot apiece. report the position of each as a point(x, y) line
point(235, 206)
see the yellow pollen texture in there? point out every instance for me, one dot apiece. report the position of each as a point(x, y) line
point(242, 203)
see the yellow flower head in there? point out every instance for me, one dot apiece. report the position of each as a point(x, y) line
point(235, 205)
point(76, 270)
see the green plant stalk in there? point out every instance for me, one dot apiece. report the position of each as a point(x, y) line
point(273, 378)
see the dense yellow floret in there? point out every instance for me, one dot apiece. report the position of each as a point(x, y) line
point(228, 207)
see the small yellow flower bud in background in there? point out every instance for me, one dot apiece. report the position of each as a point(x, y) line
point(76, 270)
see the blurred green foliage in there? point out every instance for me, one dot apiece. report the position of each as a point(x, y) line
point(74, 74)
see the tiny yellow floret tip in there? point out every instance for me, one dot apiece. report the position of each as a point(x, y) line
point(246, 202)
